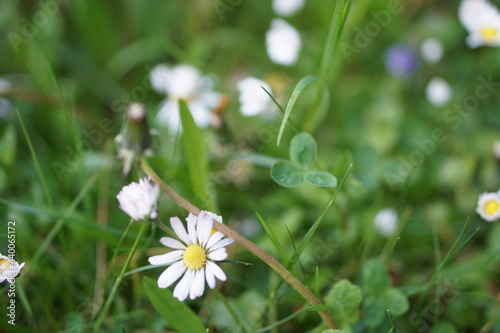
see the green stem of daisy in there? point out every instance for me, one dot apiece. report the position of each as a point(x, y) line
point(119, 279)
point(263, 255)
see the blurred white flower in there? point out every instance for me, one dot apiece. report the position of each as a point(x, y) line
point(431, 50)
point(5, 105)
point(283, 43)
point(139, 200)
point(482, 21)
point(496, 149)
point(193, 257)
point(386, 222)
point(253, 99)
point(438, 91)
point(488, 206)
point(287, 7)
point(183, 82)
point(9, 269)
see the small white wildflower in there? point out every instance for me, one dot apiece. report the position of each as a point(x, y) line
point(482, 21)
point(386, 222)
point(438, 91)
point(9, 269)
point(193, 257)
point(496, 149)
point(139, 200)
point(283, 43)
point(253, 99)
point(431, 50)
point(287, 7)
point(488, 206)
point(187, 83)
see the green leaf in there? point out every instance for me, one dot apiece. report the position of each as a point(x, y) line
point(344, 299)
point(287, 174)
point(303, 150)
point(396, 301)
point(443, 327)
point(374, 310)
point(320, 178)
point(196, 156)
point(375, 278)
point(295, 95)
point(178, 315)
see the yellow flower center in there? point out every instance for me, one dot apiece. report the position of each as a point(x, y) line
point(491, 207)
point(194, 257)
point(4, 265)
point(489, 34)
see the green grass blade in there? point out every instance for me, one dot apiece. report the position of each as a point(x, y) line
point(195, 151)
point(177, 314)
point(294, 127)
point(39, 171)
point(273, 238)
point(304, 82)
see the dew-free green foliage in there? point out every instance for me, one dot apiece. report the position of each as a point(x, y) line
point(73, 68)
point(380, 295)
point(303, 154)
point(344, 299)
point(176, 313)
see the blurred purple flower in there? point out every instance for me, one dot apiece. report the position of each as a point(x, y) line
point(401, 61)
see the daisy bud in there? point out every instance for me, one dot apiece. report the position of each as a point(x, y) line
point(9, 268)
point(139, 200)
point(134, 139)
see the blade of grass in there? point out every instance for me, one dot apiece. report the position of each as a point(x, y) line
point(39, 171)
point(294, 127)
point(304, 82)
point(273, 238)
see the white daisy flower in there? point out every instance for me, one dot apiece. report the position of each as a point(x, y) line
point(9, 269)
point(496, 149)
point(283, 43)
point(488, 206)
point(482, 21)
point(287, 7)
point(253, 99)
point(139, 200)
point(438, 91)
point(193, 257)
point(431, 50)
point(187, 83)
point(386, 222)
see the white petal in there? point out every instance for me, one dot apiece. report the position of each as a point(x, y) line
point(179, 230)
point(169, 116)
point(158, 77)
point(204, 227)
point(192, 219)
point(167, 258)
point(218, 255)
point(184, 81)
point(172, 243)
point(210, 278)
point(201, 113)
point(221, 243)
point(198, 285)
point(171, 274)
point(192, 232)
point(253, 99)
point(283, 43)
point(287, 7)
point(217, 236)
point(182, 288)
point(216, 270)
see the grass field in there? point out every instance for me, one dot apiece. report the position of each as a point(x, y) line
point(356, 156)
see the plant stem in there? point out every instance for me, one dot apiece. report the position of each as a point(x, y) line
point(264, 256)
point(118, 281)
